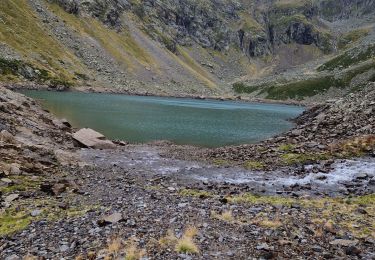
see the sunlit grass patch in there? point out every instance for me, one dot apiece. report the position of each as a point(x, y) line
point(254, 165)
point(226, 216)
point(12, 221)
point(186, 244)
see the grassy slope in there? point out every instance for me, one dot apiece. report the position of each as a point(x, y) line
point(21, 29)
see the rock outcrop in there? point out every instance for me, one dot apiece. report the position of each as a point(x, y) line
point(92, 139)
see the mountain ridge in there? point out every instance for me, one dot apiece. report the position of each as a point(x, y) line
point(172, 47)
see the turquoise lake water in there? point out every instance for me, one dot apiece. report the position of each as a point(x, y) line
point(138, 119)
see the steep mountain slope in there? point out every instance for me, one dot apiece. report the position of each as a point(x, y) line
point(173, 46)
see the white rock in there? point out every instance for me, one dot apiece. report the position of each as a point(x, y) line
point(92, 139)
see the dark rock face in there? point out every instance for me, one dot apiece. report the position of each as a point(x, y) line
point(344, 9)
point(220, 24)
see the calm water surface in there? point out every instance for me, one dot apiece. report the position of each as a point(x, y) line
point(136, 119)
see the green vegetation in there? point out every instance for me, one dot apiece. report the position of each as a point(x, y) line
point(23, 31)
point(297, 18)
point(257, 199)
point(12, 221)
point(299, 158)
point(249, 24)
point(188, 62)
point(254, 165)
point(313, 86)
point(241, 87)
point(18, 216)
point(286, 147)
point(290, 4)
point(17, 68)
point(119, 44)
point(352, 37)
point(349, 58)
point(21, 183)
point(195, 193)
point(186, 244)
point(343, 212)
point(303, 88)
point(220, 162)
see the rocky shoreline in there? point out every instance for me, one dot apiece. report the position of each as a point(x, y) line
point(230, 97)
point(61, 201)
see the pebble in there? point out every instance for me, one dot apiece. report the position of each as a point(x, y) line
point(35, 213)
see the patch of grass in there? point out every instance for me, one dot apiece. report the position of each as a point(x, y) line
point(268, 223)
point(314, 86)
point(343, 212)
point(169, 240)
point(226, 216)
point(114, 247)
point(303, 88)
point(18, 217)
point(349, 58)
point(254, 165)
point(354, 147)
point(220, 162)
point(12, 221)
point(283, 5)
point(248, 24)
point(132, 252)
point(255, 199)
point(21, 183)
point(286, 147)
point(241, 87)
point(195, 193)
point(352, 37)
point(24, 31)
point(300, 158)
point(186, 244)
point(189, 63)
point(120, 45)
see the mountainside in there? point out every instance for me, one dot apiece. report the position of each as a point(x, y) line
point(180, 47)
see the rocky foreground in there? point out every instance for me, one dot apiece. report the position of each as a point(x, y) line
point(59, 201)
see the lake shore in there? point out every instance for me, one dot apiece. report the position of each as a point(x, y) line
point(95, 200)
point(32, 86)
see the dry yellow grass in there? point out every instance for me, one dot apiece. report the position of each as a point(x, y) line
point(226, 216)
point(184, 245)
point(24, 31)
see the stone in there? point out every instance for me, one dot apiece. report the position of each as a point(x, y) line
point(352, 250)
point(361, 176)
point(111, 219)
point(7, 137)
point(13, 257)
point(7, 181)
point(35, 212)
point(11, 198)
point(344, 242)
point(15, 169)
point(92, 139)
point(64, 248)
point(53, 188)
point(264, 246)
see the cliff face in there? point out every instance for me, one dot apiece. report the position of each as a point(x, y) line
point(139, 42)
point(256, 28)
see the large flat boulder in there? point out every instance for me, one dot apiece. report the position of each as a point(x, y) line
point(92, 139)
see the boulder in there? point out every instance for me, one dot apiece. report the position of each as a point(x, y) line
point(92, 139)
point(7, 137)
point(111, 219)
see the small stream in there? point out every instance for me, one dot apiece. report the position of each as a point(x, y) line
point(145, 160)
